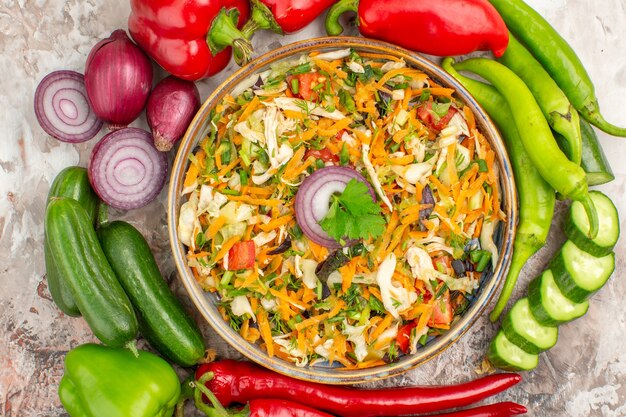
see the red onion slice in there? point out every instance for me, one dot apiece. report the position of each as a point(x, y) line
point(313, 200)
point(62, 108)
point(126, 170)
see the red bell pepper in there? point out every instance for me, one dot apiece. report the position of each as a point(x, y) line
point(190, 39)
point(442, 27)
point(284, 16)
point(242, 382)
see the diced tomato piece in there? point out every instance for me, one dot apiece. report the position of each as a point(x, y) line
point(403, 338)
point(241, 256)
point(426, 114)
point(443, 264)
point(324, 154)
point(443, 312)
point(306, 83)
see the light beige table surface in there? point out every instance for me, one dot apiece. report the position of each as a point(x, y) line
point(583, 375)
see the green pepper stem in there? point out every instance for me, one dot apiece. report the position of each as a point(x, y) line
point(224, 33)
point(187, 391)
point(591, 113)
point(524, 247)
point(218, 409)
point(592, 215)
point(333, 27)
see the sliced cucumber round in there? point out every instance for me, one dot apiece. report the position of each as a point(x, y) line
point(522, 329)
point(579, 274)
point(577, 225)
point(548, 305)
point(506, 355)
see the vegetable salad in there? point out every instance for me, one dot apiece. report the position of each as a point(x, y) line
point(417, 228)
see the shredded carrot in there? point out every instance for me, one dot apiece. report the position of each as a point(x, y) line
point(191, 176)
point(382, 57)
point(266, 331)
point(254, 201)
point(250, 108)
point(228, 167)
point(226, 247)
point(276, 223)
point(436, 91)
point(382, 326)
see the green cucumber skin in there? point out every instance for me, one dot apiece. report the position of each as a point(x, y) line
point(565, 282)
point(163, 320)
point(72, 182)
point(580, 238)
point(536, 305)
point(508, 327)
point(99, 296)
point(501, 362)
point(594, 161)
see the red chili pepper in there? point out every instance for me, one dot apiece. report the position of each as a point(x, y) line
point(442, 27)
point(284, 16)
point(261, 407)
point(503, 409)
point(282, 408)
point(241, 255)
point(241, 382)
point(190, 39)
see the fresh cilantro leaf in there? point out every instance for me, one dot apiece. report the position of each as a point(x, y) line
point(440, 109)
point(353, 214)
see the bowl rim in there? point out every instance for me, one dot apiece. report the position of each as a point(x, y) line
point(198, 129)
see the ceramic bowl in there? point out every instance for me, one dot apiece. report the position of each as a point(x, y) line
point(207, 303)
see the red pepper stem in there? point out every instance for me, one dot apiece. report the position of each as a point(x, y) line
point(333, 26)
point(261, 17)
point(224, 33)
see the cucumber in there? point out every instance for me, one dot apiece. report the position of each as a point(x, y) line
point(74, 246)
point(72, 182)
point(506, 355)
point(579, 274)
point(577, 225)
point(594, 162)
point(162, 319)
point(522, 329)
point(548, 305)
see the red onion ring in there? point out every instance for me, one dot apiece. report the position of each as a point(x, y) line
point(62, 107)
point(126, 170)
point(313, 200)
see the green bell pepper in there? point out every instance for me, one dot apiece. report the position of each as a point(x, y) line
point(101, 381)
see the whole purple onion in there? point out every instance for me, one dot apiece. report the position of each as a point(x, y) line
point(118, 79)
point(172, 105)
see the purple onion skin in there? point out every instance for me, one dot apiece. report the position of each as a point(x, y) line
point(118, 79)
point(172, 105)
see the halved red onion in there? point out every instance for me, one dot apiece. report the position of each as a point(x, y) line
point(313, 200)
point(62, 108)
point(126, 170)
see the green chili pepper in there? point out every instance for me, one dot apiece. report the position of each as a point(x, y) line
point(100, 381)
point(558, 58)
point(553, 102)
point(536, 197)
point(563, 175)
